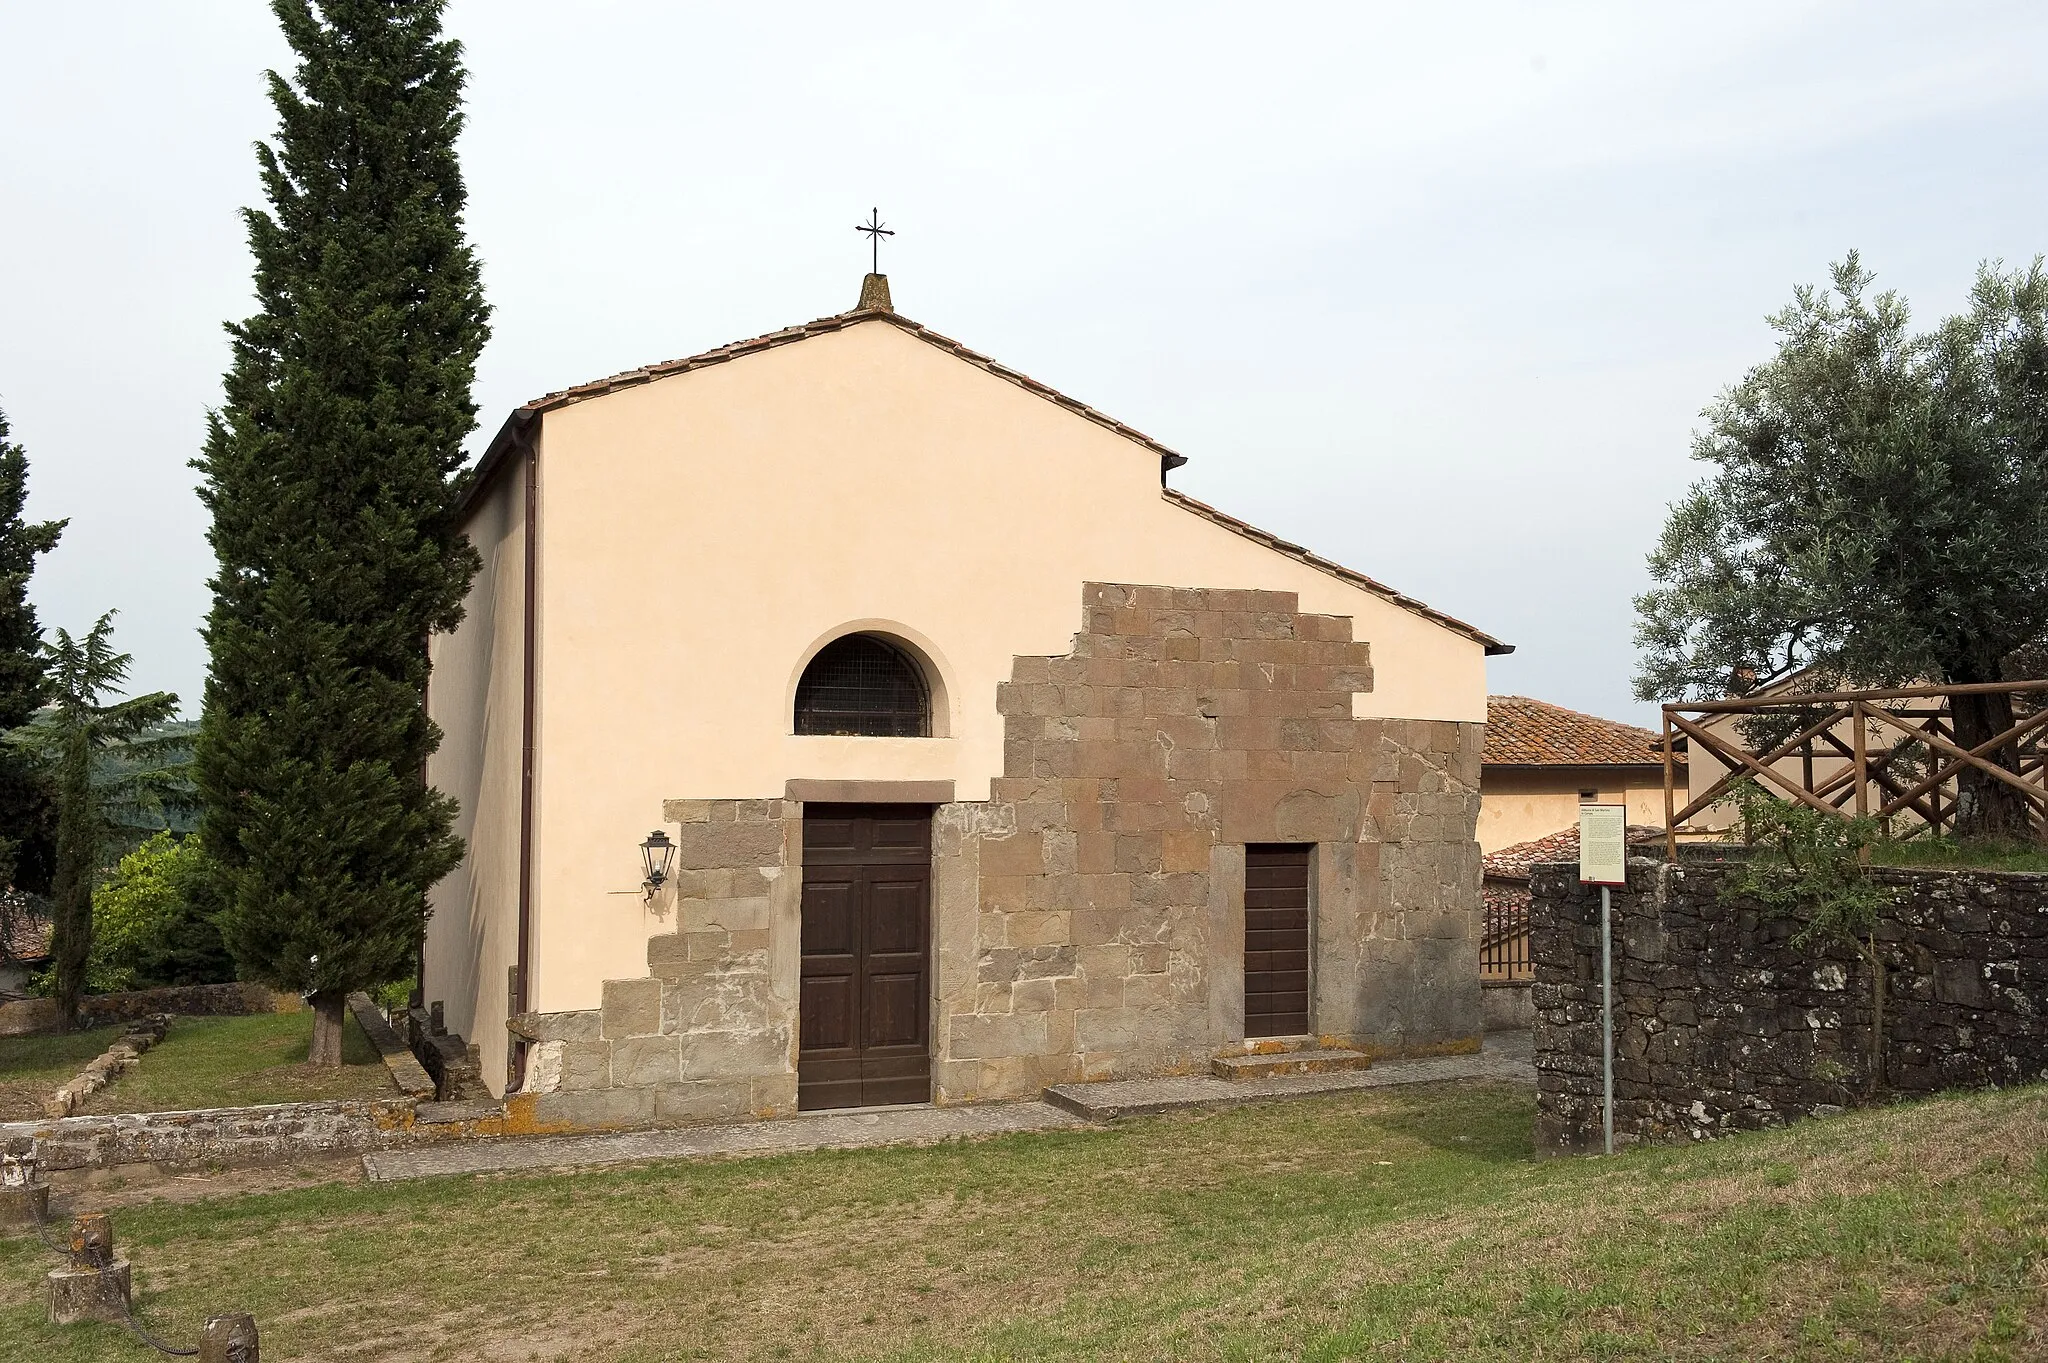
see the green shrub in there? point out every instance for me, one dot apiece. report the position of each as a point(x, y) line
point(146, 929)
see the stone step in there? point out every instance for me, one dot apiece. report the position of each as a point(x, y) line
point(1315, 1061)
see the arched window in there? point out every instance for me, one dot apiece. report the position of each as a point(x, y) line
point(862, 684)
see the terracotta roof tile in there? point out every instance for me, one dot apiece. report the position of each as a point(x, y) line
point(1521, 732)
point(510, 435)
point(1515, 863)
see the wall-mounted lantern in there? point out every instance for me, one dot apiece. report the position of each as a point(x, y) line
point(657, 853)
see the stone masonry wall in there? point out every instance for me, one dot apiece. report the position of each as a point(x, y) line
point(710, 1033)
point(24, 1017)
point(1088, 918)
point(1091, 914)
point(1721, 1023)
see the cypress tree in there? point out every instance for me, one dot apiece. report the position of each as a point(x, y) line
point(28, 831)
point(331, 473)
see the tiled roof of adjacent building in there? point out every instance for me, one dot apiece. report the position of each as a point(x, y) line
point(522, 417)
point(1521, 732)
point(1515, 863)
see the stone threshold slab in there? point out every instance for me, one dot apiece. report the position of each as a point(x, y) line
point(1504, 1057)
point(848, 1129)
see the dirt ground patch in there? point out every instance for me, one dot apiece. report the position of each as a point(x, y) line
point(34, 1067)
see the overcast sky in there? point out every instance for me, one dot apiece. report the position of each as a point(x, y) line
point(1438, 291)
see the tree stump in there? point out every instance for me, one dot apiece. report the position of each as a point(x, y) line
point(90, 1293)
point(24, 1204)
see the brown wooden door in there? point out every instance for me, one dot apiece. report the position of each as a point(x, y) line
point(1275, 940)
point(864, 1004)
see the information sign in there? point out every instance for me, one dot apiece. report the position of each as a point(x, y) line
point(1603, 844)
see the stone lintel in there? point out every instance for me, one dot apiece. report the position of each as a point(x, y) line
point(871, 792)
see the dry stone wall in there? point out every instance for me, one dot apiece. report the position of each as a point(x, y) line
point(24, 1017)
point(1722, 1024)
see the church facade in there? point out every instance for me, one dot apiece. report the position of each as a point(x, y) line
point(968, 755)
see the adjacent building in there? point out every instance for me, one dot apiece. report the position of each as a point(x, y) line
point(1544, 761)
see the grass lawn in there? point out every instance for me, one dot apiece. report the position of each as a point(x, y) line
point(33, 1067)
point(1947, 855)
point(1391, 1224)
point(239, 1062)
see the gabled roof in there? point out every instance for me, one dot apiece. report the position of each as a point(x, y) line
point(632, 378)
point(1521, 732)
point(517, 430)
point(1336, 570)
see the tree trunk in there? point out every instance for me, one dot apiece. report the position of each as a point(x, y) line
point(327, 1019)
point(1987, 809)
point(71, 892)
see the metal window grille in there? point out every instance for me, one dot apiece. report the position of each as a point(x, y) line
point(1504, 935)
point(863, 685)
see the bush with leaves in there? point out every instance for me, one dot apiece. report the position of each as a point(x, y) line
point(1811, 866)
point(147, 930)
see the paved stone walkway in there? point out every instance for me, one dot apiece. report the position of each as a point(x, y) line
point(1507, 1056)
point(845, 1130)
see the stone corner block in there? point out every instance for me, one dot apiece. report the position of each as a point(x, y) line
point(714, 846)
point(632, 1008)
point(583, 1025)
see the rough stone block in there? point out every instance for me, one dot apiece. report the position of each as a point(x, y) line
point(707, 845)
point(703, 1101)
point(632, 1008)
point(644, 1061)
point(984, 1038)
point(1021, 854)
point(583, 1065)
point(598, 1108)
point(750, 1054)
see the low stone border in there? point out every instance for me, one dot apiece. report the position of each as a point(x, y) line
point(407, 1073)
point(108, 1065)
point(26, 1017)
point(272, 1134)
point(218, 1136)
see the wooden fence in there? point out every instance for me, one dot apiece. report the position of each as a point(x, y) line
point(1889, 753)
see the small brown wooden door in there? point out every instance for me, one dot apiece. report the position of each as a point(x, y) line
point(865, 945)
point(1275, 940)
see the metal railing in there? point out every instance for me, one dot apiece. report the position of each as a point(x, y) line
point(1504, 938)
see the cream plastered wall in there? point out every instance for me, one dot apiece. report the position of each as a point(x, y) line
point(1521, 804)
point(475, 696)
point(702, 535)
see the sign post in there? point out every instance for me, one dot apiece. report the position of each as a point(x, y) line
point(1603, 861)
